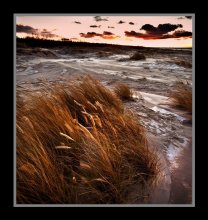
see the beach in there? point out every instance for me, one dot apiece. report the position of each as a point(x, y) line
point(150, 78)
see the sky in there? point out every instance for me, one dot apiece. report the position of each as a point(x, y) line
point(148, 31)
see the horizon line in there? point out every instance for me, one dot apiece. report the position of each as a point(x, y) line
point(71, 41)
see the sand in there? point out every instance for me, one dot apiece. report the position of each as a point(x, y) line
point(150, 80)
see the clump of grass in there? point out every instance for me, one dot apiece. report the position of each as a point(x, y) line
point(137, 56)
point(181, 96)
point(124, 92)
point(77, 145)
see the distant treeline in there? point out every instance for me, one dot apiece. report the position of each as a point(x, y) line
point(37, 42)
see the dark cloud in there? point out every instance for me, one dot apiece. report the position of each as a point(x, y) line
point(98, 18)
point(47, 34)
point(111, 27)
point(95, 26)
point(77, 22)
point(25, 29)
point(131, 23)
point(188, 17)
point(134, 34)
point(121, 22)
point(161, 28)
point(89, 34)
point(159, 32)
point(147, 36)
point(104, 35)
point(182, 33)
point(107, 33)
point(30, 30)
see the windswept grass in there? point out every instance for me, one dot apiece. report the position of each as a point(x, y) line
point(76, 144)
point(123, 92)
point(181, 96)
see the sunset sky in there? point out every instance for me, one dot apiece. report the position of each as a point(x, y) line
point(148, 31)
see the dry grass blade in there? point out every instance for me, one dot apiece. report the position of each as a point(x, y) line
point(67, 136)
point(63, 147)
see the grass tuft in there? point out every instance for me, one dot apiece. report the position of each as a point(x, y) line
point(77, 145)
point(181, 96)
point(124, 92)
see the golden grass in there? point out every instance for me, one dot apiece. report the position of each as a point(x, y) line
point(77, 145)
point(123, 92)
point(181, 96)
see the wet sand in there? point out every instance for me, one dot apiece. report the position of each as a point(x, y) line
point(181, 190)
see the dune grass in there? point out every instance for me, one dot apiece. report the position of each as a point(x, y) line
point(124, 92)
point(76, 144)
point(181, 96)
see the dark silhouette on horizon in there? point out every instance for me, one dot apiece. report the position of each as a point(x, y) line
point(65, 42)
